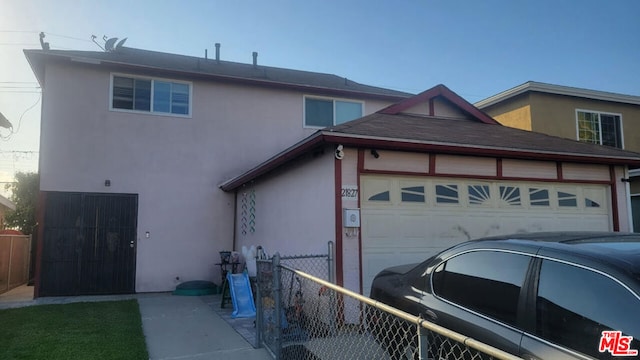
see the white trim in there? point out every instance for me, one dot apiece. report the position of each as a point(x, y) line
point(558, 90)
point(333, 100)
point(600, 124)
point(150, 112)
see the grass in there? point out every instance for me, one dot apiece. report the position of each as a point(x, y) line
point(88, 330)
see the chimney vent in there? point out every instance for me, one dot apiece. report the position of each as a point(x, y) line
point(218, 52)
point(206, 55)
point(255, 59)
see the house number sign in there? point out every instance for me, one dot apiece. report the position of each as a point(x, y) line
point(350, 192)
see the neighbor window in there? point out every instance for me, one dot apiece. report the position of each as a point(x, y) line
point(150, 95)
point(599, 128)
point(322, 112)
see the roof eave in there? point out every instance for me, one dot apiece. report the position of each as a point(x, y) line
point(325, 137)
point(532, 86)
point(204, 75)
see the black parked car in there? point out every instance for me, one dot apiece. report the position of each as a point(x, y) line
point(538, 296)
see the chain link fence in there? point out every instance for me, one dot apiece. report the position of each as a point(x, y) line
point(302, 315)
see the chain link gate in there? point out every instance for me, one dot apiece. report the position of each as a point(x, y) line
point(303, 315)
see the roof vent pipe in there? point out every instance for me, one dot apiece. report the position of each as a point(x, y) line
point(218, 52)
point(255, 59)
point(206, 55)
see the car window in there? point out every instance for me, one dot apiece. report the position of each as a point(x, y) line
point(488, 282)
point(575, 305)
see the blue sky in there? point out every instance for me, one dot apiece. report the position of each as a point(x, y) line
point(476, 48)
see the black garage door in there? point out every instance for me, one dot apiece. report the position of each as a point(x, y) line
point(89, 244)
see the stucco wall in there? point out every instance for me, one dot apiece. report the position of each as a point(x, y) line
point(175, 164)
point(292, 210)
point(556, 115)
point(514, 112)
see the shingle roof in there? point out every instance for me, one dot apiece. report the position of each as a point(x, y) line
point(416, 133)
point(211, 68)
point(472, 134)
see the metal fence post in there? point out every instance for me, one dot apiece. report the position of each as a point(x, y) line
point(277, 304)
point(333, 303)
point(423, 341)
point(259, 304)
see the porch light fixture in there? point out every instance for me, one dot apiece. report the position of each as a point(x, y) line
point(375, 153)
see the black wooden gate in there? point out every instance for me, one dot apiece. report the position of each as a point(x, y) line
point(89, 244)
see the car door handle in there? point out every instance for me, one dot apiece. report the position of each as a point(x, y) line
point(430, 315)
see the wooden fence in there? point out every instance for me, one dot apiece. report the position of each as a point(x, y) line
point(15, 256)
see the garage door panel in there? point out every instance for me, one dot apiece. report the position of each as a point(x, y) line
point(396, 232)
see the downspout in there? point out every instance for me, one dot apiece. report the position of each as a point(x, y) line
point(235, 220)
point(615, 214)
point(627, 187)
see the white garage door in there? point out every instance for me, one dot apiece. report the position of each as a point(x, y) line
point(408, 219)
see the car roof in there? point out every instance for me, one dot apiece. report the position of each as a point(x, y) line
point(620, 251)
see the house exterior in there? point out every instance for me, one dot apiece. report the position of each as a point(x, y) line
point(399, 185)
point(134, 144)
point(580, 114)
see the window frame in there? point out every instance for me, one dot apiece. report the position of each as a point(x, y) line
point(151, 98)
point(333, 101)
point(619, 115)
point(524, 289)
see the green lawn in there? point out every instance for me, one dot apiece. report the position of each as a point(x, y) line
point(88, 330)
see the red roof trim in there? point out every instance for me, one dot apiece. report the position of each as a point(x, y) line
point(322, 138)
point(429, 95)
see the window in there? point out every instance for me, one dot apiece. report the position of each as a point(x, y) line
point(599, 128)
point(510, 195)
point(539, 197)
point(321, 112)
point(479, 194)
point(571, 310)
point(413, 194)
point(567, 199)
point(447, 194)
point(383, 196)
point(488, 282)
point(150, 95)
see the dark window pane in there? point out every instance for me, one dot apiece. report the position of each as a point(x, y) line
point(318, 112)
point(590, 203)
point(122, 93)
point(572, 309)
point(610, 128)
point(161, 96)
point(539, 197)
point(484, 281)
point(567, 199)
point(142, 95)
point(479, 194)
point(510, 195)
point(383, 196)
point(413, 194)
point(447, 194)
point(180, 99)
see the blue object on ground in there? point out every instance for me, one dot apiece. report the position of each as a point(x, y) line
point(241, 295)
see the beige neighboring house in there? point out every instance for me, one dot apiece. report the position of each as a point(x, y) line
point(5, 206)
point(590, 116)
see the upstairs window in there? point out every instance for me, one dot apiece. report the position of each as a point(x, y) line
point(150, 95)
point(599, 128)
point(323, 112)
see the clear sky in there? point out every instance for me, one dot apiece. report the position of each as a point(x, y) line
point(477, 48)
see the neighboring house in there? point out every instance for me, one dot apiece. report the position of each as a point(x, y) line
point(586, 115)
point(134, 144)
point(5, 206)
point(416, 177)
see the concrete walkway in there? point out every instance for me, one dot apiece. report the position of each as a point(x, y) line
point(175, 327)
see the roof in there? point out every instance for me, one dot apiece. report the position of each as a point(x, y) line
point(7, 203)
point(130, 59)
point(557, 90)
point(419, 133)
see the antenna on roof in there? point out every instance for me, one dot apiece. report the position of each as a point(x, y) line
point(110, 44)
point(45, 45)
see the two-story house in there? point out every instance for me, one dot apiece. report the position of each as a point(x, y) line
point(590, 116)
point(153, 163)
point(134, 144)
